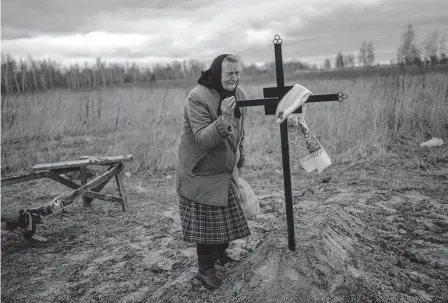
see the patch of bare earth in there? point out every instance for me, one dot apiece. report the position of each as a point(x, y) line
point(376, 231)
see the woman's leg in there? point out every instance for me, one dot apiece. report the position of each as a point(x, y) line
point(222, 255)
point(206, 265)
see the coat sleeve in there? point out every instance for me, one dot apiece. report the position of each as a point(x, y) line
point(242, 159)
point(207, 133)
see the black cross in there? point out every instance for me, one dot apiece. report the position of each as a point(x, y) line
point(272, 96)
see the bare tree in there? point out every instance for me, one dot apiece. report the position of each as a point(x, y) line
point(196, 67)
point(442, 49)
point(430, 47)
point(339, 60)
point(5, 74)
point(23, 74)
point(349, 60)
point(408, 52)
point(33, 66)
point(366, 55)
point(362, 55)
point(177, 67)
point(370, 53)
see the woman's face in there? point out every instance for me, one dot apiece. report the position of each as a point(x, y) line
point(230, 75)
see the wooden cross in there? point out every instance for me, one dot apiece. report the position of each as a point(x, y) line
point(272, 97)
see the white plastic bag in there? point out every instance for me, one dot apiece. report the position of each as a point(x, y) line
point(296, 97)
point(249, 201)
point(432, 143)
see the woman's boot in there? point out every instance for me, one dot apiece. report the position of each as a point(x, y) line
point(206, 266)
point(206, 272)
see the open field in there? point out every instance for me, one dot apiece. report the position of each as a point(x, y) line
point(145, 121)
point(373, 227)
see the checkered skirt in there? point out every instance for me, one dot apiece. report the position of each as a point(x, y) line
point(206, 224)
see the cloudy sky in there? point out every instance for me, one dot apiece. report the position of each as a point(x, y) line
point(150, 31)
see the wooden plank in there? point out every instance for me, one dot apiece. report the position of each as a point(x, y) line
point(257, 102)
point(69, 183)
point(103, 197)
point(22, 178)
point(12, 218)
point(61, 201)
point(270, 92)
point(114, 159)
point(96, 189)
point(322, 98)
point(121, 189)
point(120, 158)
point(94, 182)
point(83, 162)
point(272, 109)
point(279, 92)
point(65, 170)
point(83, 178)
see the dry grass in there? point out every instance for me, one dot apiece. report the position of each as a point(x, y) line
point(145, 121)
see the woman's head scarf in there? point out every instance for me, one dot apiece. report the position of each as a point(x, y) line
point(211, 78)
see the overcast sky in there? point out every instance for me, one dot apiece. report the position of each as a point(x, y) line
point(148, 31)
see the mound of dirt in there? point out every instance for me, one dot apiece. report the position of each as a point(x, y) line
point(339, 258)
point(376, 231)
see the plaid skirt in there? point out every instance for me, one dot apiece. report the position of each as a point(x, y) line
point(206, 224)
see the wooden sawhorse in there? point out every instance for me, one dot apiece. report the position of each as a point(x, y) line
point(88, 190)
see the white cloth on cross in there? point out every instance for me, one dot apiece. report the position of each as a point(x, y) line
point(308, 149)
point(293, 99)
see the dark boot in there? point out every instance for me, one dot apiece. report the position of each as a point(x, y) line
point(207, 273)
point(206, 269)
point(222, 255)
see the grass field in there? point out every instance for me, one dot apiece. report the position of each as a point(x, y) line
point(145, 121)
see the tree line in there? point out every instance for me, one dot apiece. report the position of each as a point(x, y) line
point(432, 52)
point(30, 74)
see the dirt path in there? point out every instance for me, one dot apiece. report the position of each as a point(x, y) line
point(375, 232)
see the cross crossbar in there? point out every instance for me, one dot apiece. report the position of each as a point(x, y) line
point(272, 99)
point(257, 102)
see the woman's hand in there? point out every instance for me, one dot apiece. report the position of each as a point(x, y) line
point(228, 110)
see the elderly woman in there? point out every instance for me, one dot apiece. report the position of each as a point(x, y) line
point(210, 155)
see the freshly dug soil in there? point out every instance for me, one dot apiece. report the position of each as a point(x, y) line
point(376, 231)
